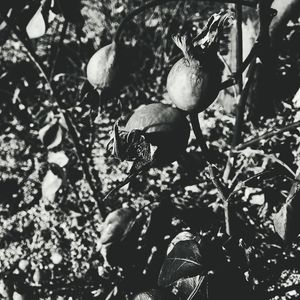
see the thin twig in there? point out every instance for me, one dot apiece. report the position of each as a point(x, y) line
point(239, 122)
point(30, 51)
point(272, 157)
point(267, 135)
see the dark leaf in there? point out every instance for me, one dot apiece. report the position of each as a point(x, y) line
point(51, 135)
point(188, 286)
point(228, 283)
point(286, 221)
point(71, 10)
point(155, 294)
point(85, 89)
point(183, 261)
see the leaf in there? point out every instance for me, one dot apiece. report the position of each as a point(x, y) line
point(4, 32)
point(50, 185)
point(51, 135)
point(181, 236)
point(117, 225)
point(71, 10)
point(36, 26)
point(59, 158)
point(155, 294)
point(182, 262)
point(189, 287)
point(287, 221)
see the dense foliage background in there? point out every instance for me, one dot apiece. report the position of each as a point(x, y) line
point(50, 220)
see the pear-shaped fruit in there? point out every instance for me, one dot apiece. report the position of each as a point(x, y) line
point(36, 26)
point(194, 81)
point(163, 126)
point(103, 68)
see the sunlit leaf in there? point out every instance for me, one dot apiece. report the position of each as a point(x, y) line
point(50, 185)
point(59, 158)
point(36, 26)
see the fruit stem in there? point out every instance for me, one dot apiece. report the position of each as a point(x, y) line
point(126, 180)
point(154, 3)
point(222, 190)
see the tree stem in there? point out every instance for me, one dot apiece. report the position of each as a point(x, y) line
point(239, 44)
point(222, 190)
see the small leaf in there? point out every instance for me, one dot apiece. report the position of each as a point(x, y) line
point(181, 236)
point(50, 185)
point(155, 294)
point(51, 135)
point(36, 26)
point(189, 287)
point(286, 221)
point(4, 32)
point(182, 262)
point(59, 158)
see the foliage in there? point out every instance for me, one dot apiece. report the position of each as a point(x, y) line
point(55, 170)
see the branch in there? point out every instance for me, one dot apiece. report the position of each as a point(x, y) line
point(59, 46)
point(30, 51)
point(222, 190)
point(239, 44)
point(267, 136)
point(36, 61)
point(154, 3)
point(261, 45)
point(277, 291)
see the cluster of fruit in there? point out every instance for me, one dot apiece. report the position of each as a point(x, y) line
point(156, 134)
point(193, 84)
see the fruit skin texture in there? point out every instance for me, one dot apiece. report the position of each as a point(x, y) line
point(193, 87)
point(165, 127)
point(102, 68)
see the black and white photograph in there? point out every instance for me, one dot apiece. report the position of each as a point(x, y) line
point(150, 150)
